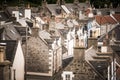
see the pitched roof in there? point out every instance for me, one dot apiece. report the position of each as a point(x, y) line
point(53, 8)
point(101, 20)
point(44, 34)
point(3, 16)
point(110, 19)
point(10, 33)
point(63, 32)
point(117, 32)
point(79, 6)
point(11, 46)
point(116, 16)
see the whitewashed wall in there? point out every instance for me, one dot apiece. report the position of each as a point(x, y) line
point(18, 64)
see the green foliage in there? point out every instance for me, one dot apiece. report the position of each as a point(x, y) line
point(104, 3)
point(96, 3)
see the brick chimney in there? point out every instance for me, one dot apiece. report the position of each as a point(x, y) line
point(92, 41)
point(35, 29)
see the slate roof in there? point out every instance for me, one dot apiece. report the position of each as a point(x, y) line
point(9, 10)
point(37, 59)
point(79, 6)
point(10, 32)
point(59, 25)
point(63, 32)
point(49, 42)
point(44, 34)
point(3, 16)
point(52, 8)
point(11, 46)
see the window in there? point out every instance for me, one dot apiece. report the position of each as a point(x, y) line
point(67, 76)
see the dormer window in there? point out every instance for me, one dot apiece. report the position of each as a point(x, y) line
point(67, 75)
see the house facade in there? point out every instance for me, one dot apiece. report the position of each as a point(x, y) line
point(13, 53)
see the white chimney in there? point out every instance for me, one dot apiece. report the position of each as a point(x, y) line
point(112, 12)
point(99, 12)
point(28, 12)
point(90, 15)
point(16, 14)
point(81, 16)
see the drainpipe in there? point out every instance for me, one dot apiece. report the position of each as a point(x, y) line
point(14, 71)
point(26, 52)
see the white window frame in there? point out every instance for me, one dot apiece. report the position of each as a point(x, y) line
point(67, 75)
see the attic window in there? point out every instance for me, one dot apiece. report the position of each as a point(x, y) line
point(67, 75)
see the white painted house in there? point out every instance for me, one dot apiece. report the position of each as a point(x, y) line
point(17, 67)
point(15, 55)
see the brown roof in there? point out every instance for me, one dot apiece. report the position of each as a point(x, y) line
point(100, 19)
point(117, 17)
point(110, 19)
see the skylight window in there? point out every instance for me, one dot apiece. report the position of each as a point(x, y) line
point(12, 32)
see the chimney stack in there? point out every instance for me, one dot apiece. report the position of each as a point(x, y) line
point(79, 53)
point(28, 12)
point(2, 53)
point(35, 29)
point(16, 14)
